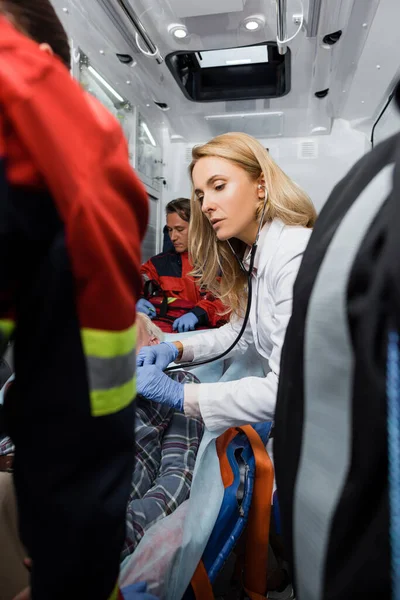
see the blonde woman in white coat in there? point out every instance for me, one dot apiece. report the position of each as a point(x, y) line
point(235, 184)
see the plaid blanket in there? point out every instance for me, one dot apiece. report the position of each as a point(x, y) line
point(166, 448)
point(6, 446)
point(166, 445)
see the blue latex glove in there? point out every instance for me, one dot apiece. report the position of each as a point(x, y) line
point(153, 384)
point(186, 323)
point(137, 591)
point(146, 307)
point(160, 355)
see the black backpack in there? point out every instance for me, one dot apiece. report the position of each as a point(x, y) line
point(336, 423)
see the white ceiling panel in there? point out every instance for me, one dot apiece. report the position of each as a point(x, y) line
point(259, 125)
point(185, 8)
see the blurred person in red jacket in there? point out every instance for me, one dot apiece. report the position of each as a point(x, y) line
point(171, 296)
point(73, 215)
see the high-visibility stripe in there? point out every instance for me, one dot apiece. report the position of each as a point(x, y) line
point(111, 365)
point(7, 327)
point(106, 402)
point(115, 593)
point(108, 373)
point(108, 344)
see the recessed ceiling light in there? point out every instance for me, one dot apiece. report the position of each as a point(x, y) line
point(178, 31)
point(254, 23)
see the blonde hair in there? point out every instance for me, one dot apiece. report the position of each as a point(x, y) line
point(150, 327)
point(214, 265)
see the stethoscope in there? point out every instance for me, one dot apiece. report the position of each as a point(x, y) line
point(249, 273)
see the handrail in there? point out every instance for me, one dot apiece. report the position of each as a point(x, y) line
point(141, 32)
point(281, 39)
point(281, 10)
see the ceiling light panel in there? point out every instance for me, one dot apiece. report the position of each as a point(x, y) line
point(233, 56)
point(184, 8)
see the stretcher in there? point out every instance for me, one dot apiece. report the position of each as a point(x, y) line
point(248, 476)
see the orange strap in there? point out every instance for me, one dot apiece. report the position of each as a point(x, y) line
point(201, 584)
point(255, 573)
point(259, 518)
point(222, 444)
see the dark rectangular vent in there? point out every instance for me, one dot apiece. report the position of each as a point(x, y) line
point(245, 73)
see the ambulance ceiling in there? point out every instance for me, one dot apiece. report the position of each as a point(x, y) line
point(359, 70)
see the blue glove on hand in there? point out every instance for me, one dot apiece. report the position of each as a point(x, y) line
point(153, 384)
point(186, 323)
point(137, 591)
point(146, 307)
point(160, 355)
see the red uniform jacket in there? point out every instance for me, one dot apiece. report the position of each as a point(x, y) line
point(170, 270)
point(72, 217)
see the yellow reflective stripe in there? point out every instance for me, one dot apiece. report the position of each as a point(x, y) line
point(7, 327)
point(107, 402)
point(115, 593)
point(108, 344)
point(171, 300)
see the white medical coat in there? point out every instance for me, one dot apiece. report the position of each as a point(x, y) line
point(251, 399)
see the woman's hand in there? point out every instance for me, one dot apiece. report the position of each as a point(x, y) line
point(160, 355)
point(153, 384)
point(137, 591)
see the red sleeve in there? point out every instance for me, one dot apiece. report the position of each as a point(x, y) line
point(214, 309)
point(61, 141)
point(79, 150)
point(148, 271)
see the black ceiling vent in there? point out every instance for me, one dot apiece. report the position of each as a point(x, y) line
point(162, 105)
point(125, 59)
point(322, 93)
point(332, 38)
point(245, 73)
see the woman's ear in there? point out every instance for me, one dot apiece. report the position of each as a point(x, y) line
point(261, 187)
point(46, 48)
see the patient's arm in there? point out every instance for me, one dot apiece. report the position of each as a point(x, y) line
point(172, 485)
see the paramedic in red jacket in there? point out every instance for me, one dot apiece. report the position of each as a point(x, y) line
point(73, 214)
point(171, 271)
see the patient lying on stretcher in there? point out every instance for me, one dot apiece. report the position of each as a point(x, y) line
point(166, 445)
